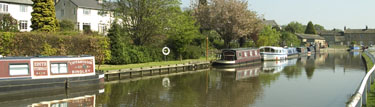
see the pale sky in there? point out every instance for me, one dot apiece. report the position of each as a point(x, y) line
point(355, 14)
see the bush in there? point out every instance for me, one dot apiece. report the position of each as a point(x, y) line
point(8, 23)
point(66, 25)
point(35, 43)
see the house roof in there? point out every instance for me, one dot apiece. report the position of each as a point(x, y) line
point(331, 33)
point(17, 1)
point(309, 36)
point(359, 31)
point(270, 23)
point(91, 4)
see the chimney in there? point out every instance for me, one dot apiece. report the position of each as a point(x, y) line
point(344, 28)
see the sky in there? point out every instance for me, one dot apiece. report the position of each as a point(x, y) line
point(354, 14)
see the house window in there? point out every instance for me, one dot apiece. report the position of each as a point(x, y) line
point(59, 68)
point(23, 8)
point(18, 69)
point(86, 11)
point(62, 12)
point(86, 26)
point(102, 28)
point(102, 13)
point(74, 11)
point(3, 8)
point(23, 24)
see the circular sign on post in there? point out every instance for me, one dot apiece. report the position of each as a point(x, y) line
point(166, 51)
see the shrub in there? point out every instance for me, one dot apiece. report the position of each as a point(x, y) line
point(8, 23)
point(66, 25)
point(35, 43)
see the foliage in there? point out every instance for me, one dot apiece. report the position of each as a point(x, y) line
point(143, 19)
point(8, 23)
point(295, 27)
point(310, 28)
point(229, 18)
point(268, 37)
point(6, 41)
point(43, 16)
point(35, 43)
point(48, 50)
point(66, 25)
point(182, 32)
point(319, 27)
point(289, 39)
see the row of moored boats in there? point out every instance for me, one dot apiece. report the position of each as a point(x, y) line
point(243, 55)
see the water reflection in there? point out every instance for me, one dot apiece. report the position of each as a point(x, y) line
point(80, 97)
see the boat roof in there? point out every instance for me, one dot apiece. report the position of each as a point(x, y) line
point(274, 47)
point(46, 57)
point(240, 49)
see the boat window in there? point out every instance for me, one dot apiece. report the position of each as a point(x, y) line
point(59, 68)
point(273, 50)
point(239, 54)
point(245, 54)
point(251, 53)
point(256, 53)
point(262, 50)
point(18, 69)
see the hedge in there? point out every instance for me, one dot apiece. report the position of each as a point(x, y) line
point(53, 44)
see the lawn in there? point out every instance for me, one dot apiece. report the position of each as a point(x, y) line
point(149, 64)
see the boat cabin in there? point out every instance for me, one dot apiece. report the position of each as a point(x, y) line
point(239, 55)
point(46, 67)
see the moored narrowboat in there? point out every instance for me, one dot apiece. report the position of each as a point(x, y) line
point(19, 74)
point(273, 53)
point(292, 52)
point(237, 56)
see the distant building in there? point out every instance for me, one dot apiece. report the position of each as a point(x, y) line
point(333, 37)
point(87, 14)
point(311, 39)
point(271, 23)
point(19, 10)
point(360, 36)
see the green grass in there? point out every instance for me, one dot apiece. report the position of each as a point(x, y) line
point(370, 95)
point(338, 46)
point(148, 64)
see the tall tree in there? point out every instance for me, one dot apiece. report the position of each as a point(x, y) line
point(289, 39)
point(310, 28)
point(295, 27)
point(8, 23)
point(182, 32)
point(143, 19)
point(229, 18)
point(43, 16)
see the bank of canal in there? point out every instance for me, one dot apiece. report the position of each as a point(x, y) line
point(370, 95)
point(326, 79)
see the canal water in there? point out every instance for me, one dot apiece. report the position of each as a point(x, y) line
point(318, 80)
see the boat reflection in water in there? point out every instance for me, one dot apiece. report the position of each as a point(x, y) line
point(277, 66)
point(82, 101)
point(80, 97)
point(241, 72)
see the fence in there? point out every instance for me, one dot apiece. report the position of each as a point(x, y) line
point(360, 97)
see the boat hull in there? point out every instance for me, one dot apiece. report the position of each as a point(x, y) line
point(11, 86)
point(274, 57)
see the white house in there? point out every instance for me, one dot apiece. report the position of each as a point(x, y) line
point(86, 14)
point(19, 10)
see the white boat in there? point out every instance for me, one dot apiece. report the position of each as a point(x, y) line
point(273, 53)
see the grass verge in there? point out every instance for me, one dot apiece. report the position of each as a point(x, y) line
point(370, 95)
point(148, 64)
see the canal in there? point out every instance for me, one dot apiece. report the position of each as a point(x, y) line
point(318, 80)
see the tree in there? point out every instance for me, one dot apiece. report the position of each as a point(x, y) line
point(182, 32)
point(8, 23)
point(310, 28)
point(319, 27)
point(289, 39)
point(43, 16)
point(268, 37)
point(66, 25)
point(295, 27)
point(229, 18)
point(143, 19)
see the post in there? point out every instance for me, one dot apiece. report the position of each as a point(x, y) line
point(119, 76)
point(130, 74)
point(151, 72)
point(206, 48)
